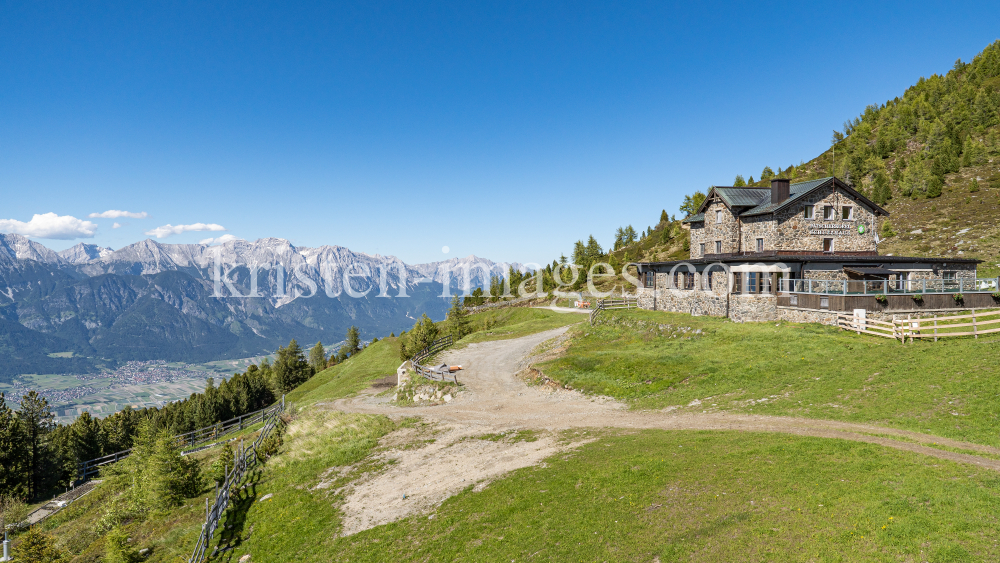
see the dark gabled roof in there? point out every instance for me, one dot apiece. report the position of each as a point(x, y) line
point(800, 190)
point(736, 197)
point(694, 218)
point(759, 199)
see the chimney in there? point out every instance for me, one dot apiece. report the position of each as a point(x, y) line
point(779, 190)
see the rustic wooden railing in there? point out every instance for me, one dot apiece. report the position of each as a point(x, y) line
point(925, 327)
point(188, 441)
point(605, 304)
point(245, 460)
point(432, 373)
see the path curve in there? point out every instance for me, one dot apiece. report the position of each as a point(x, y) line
point(496, 400)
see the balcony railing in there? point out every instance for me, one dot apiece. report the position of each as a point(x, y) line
point(889, 287)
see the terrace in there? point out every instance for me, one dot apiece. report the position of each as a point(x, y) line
point(936, 294)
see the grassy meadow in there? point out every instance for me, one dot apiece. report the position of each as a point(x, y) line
point(656, 360)
point(638, 495)
point(691, 496)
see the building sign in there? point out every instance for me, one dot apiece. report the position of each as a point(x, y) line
point(835, 229)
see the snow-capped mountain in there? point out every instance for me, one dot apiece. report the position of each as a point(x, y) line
point(83, 253)
point(193, 302)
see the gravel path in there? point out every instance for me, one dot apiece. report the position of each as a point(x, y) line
point(496, 400)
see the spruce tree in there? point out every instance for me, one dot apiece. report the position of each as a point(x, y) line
point(739, 182)
point(664, 218)
point(353, 343)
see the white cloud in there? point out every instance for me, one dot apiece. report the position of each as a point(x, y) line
point(116, 214)
point(167, 230)
point(50, 225)
point(221, 240)
point(116, 226)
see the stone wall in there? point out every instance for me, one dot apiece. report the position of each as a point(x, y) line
point(690, 301)
point(796, 315)
point(753, 308)
point(709, 231)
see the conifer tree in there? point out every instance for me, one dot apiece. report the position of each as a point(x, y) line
point(37, 547)
point(353, 342)
point(13, 453)
point(36, 420)
point(458, 319)
point(739, 182)
point(290, 368)
point(664, 218)
point(317, 357)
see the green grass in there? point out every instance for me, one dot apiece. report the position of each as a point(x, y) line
point(945, 388)
point(674, 495)
point(301, 518)
point(515, 322)
point(353, 375)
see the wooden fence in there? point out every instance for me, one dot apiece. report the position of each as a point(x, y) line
point(428, 372)
point(605, 304)
point(925, 327)
point(245, 460)
point(187, 441)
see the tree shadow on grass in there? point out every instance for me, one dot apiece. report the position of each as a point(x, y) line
point(234, 521)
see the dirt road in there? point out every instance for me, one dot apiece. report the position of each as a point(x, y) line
point(496, 400)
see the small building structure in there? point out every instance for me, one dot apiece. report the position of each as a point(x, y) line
point(802, 252)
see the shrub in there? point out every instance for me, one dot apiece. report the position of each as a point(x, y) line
point(36, 547)
point(919, 297)
point(958, 297)
point(881, 298)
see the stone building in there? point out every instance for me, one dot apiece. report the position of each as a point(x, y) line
point(801, 252)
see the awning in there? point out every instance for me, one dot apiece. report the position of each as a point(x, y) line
point(872, 271)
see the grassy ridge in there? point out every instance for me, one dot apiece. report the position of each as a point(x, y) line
point(945, 388)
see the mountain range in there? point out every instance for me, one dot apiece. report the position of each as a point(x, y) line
point(195, 302)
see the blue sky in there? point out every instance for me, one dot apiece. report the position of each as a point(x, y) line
point(507, 130)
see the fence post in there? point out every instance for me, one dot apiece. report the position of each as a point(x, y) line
point(909, 328)
point(975, 332)
point(935, 328)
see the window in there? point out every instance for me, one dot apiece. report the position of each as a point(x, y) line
point(829, 213)
point(760, 245)
point(737, 282)
point(847, 213)
point(702, 246)
point(824, 302)
point(718, 247)
point(753, 278)
point(718, 215)
point(810, 212)
point(684, 280)
point(828, 245)
point(649, 278)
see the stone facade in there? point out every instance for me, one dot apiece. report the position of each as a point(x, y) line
point(709, 232)
point(788, 229)
point(792, 231)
